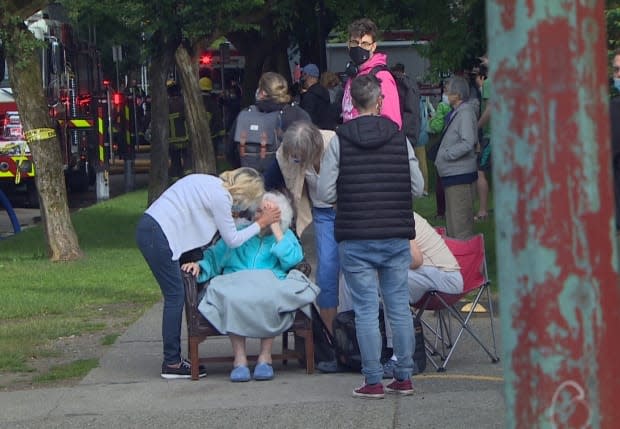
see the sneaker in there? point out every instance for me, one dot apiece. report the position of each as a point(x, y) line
point(370, 391)
point(183, 371)
point(400, 387)
point(388, 368)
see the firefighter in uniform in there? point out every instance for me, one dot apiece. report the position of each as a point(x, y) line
point(214, 112)
point(178, 138)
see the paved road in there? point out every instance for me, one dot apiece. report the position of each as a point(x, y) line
point(28, 217)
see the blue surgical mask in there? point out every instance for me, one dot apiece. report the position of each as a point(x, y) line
point(617, 83)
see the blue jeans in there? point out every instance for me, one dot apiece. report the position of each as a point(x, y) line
point(328, 265)
point(367, 266)
point(156, 251)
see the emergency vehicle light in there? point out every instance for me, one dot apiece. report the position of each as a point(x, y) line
point(205, 59)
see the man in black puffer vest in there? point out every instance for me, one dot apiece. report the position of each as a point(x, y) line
point(372, 173)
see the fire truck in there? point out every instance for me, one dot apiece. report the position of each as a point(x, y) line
point(72, 82)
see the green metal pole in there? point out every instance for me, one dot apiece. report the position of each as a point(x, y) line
point(557, 258)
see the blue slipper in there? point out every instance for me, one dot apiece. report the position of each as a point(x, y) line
point(240, 374)
point(263, 371)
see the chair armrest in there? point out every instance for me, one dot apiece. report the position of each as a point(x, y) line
point(191, 290)
point(304, 267)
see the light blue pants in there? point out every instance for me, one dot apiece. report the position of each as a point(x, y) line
point(328, 264)
point(370, 266)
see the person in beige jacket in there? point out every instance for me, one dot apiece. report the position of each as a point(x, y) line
point(298, 161)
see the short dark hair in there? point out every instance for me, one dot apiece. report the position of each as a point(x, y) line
point(365, 90)
point(361, 27)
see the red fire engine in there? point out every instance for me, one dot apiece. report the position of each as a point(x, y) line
point(72, 83)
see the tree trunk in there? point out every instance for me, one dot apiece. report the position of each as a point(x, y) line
point(203, 155)
point(264, 51)
point(161, 63)
point(25, 75)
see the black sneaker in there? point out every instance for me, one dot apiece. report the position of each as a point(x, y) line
point(183, 371)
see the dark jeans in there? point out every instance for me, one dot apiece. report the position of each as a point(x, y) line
point(156, 251)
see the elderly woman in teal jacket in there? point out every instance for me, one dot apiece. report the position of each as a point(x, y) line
point(245, 300)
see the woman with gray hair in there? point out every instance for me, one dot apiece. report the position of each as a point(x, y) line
point(243, 298)
point(456, 160)
point(297, 168)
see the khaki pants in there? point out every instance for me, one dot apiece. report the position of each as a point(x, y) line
point(460, 210)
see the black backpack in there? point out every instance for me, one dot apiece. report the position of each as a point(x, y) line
point(345, 340)
point(409, 98)
point(348, 351)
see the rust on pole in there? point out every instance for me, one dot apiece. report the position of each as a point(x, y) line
point(557, 264)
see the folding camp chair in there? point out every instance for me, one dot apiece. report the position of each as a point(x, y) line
point(471, 258)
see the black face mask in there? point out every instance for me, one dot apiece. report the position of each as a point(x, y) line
point(359, 55)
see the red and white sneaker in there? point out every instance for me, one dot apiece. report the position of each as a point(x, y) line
point(404, 387)
point(370, 391)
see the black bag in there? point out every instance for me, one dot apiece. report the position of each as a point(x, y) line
point(433, 149)
point(419, 353)
point(345, 340)
point(409, 99)
point(348, 351)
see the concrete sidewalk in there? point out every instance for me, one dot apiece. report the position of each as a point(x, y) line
point(125, 391)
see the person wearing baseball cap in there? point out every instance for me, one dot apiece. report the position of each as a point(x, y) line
point(315, 97)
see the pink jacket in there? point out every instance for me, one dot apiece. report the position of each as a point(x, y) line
point(391, 104)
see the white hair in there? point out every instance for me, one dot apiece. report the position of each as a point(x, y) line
point(283, 203)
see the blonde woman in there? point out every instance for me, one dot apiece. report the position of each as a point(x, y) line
point(187, 216)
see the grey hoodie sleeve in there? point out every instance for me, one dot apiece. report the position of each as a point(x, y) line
point(330, 168)
point(417, 179)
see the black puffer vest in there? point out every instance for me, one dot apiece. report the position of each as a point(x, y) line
point(374, 182)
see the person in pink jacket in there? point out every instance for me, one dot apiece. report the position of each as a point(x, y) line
point(362, 46)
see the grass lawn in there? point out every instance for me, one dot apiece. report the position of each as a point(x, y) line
point(44, 301)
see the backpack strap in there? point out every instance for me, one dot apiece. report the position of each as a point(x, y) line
point(378, 68)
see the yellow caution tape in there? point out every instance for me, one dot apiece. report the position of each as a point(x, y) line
point(39, 134)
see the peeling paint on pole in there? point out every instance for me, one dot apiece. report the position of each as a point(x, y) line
point(559, 284)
